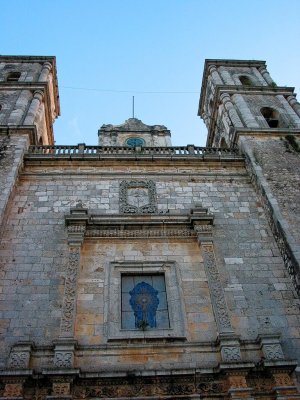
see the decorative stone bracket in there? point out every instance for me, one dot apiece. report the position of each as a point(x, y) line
point(271, 347)
point(64, 353)
point(19, 356)
point(230, 348)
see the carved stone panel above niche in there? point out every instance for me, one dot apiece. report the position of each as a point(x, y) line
point(138, 197)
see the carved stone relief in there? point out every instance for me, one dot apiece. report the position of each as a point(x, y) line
point(63, 359)
point(19, 356)
point(273, 352)
point(282, 379)
point(69, 304)
point(13, 390)
point(231, 354)
point(137, 197)
point(60, 388)
point(19, 360)
point(140, 233)
point(216, 290)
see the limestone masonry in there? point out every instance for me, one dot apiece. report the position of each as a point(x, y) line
point(135, 269)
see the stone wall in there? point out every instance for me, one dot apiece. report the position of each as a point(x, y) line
point(280, 164)
point(257, 288)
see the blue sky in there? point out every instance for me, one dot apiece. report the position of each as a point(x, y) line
point(110, 50)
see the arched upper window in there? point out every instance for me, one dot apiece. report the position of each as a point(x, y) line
point(245, 80)
point(13, 76)
point(271, 116)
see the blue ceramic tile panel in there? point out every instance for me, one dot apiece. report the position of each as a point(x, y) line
point(144, 302)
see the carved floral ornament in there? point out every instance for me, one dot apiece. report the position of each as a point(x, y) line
point(137, 197)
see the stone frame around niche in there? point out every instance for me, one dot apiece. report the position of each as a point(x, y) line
point(127, 208)
point(112, 300)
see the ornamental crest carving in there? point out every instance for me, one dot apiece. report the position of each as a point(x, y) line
point(138, 197)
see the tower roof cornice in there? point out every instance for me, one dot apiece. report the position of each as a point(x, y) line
point(12, 58)
point(133, 125)
point(223, 62)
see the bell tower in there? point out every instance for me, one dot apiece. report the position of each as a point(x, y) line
point(29, 99)
point(243, 107)
point(240, 97)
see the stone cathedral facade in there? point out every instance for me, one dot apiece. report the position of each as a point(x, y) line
point(136, 269)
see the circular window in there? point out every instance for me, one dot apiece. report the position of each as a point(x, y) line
point(135, 141)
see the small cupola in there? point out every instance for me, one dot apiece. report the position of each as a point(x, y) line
point(134, 133)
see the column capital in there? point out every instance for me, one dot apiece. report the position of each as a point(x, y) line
point(38, 94)
point(76, 222)
point(212, 68)
point(225, 98)
point(47, 65)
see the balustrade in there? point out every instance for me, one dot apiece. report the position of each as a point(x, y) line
point(175, 151)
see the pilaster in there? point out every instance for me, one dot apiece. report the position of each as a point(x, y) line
point(45, 71)
point(266, 75)
point(34, 106)
point(215, 75)
point(229, 107)
point(294, 104)
point(227, 340)
point(76, 228)
point(245, 111)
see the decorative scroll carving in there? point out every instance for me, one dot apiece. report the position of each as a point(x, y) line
point(273, 352)
point(140, 233)
point(137, 197)
point(260, 382)
point(40, 394)
point(236, 383)
point(216, 290)
point(69, 304)
point(210, 387)
point(139, 387)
